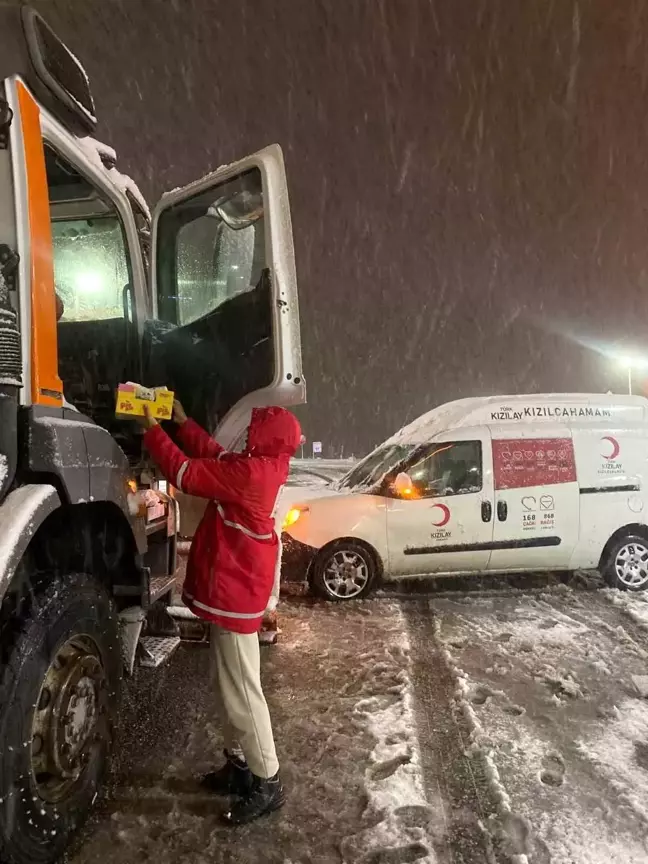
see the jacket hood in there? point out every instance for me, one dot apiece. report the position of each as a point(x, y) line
point(273, 432)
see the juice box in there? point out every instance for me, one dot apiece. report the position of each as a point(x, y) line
point(131, 399)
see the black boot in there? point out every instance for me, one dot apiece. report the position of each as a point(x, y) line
point(234, 778)
point(265, 796)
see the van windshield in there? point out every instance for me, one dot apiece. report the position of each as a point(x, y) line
point(374, 466)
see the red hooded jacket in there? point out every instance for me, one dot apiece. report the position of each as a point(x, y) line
point(231, 566)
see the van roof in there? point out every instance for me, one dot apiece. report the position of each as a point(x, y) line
point(569, 408)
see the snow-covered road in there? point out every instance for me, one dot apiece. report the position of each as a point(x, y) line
point(547, 685)
point(340, 693)
point(499, 726)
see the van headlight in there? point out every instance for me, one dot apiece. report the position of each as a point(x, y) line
point(292, 516)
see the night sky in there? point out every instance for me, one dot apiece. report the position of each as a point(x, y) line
point(469, 180)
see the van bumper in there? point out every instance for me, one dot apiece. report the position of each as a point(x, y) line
point(296, 558)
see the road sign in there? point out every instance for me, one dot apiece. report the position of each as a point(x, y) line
point(317, 448)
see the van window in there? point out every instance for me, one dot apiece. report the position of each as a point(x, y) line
point(448, 468)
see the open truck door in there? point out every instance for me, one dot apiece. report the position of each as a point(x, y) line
point(226, 335)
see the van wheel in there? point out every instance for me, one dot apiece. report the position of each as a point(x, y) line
point(344, 571)
point(59, 686)
point(627, 564)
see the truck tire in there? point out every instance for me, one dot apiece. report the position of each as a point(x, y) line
point(626, 563)
point(59, 690)
point(345, 570)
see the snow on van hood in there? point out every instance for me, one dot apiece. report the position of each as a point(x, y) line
point(296, 496)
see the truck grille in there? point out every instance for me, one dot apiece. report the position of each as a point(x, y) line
point(10, 355)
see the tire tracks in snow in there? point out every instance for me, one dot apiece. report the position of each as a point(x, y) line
point(563, 774)
point(398, 817)
point(451, 774)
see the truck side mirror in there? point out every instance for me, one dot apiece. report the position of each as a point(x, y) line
point(403, 486)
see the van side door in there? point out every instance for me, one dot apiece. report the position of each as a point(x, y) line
point(536, 518)
point(446, 524)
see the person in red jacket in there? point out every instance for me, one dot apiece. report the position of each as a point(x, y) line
point(230, 575)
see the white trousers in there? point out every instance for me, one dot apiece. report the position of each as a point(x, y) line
point(243, 710)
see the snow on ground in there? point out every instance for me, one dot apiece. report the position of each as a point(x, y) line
point(338, 685)
point(397, 807)
point(634, 606)
point(546, 683)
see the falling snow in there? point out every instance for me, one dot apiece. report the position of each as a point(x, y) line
point(468, 185)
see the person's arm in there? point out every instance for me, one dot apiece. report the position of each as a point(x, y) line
point(193, 438)
point(198, 443)
point(209, 478)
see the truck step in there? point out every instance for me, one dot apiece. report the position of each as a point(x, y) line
point(155, 650)
point(161, 585)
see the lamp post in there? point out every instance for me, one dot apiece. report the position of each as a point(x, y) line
point(630, 364)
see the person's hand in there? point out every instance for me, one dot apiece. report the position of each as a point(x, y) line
point(148, 420)
point(179, 415)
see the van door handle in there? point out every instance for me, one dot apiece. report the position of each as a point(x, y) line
point(487, 511)
point(502, 511)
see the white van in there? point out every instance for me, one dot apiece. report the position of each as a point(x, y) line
point(497, 484)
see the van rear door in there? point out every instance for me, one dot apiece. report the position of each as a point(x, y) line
point(536, 518)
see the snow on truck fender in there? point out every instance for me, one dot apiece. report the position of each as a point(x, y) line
point(21, 514)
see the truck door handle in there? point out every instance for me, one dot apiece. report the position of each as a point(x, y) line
point(502, 511)
point(487, 511)
point(128, 301)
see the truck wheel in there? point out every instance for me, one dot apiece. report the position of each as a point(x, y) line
point(344, 571)
point(626, 567)
point(59, 688)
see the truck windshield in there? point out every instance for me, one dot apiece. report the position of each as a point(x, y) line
point(369, 471)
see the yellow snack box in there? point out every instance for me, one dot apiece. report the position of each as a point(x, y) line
point(131, 399)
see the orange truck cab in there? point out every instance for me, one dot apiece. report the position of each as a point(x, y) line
point(201, 298)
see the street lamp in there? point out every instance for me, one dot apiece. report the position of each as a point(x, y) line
point(630, 364)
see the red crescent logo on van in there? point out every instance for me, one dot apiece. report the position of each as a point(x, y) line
point(615, 448)
point(445, 518)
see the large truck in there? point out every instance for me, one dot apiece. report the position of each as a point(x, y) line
point(94, 292)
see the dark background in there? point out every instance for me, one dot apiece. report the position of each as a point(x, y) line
point(468, 178)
